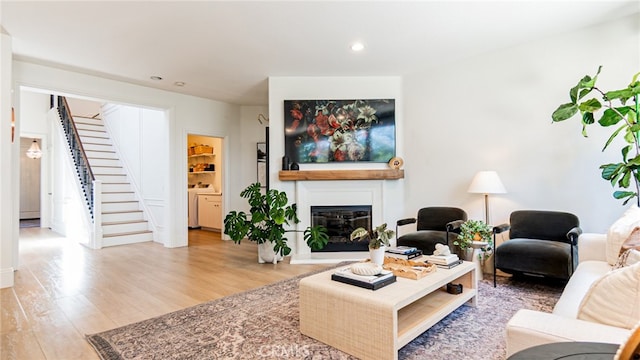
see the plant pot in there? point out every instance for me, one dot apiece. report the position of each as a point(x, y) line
point(266, 254)
point(377, 255)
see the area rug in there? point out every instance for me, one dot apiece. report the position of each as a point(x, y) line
point(263, 324)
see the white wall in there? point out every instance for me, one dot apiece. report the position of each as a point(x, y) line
point(140, 136)
point(493, 112)
point(252, 133)
point(8, 160)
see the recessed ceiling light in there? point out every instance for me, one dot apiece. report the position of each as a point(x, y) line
point(357, 46)
point(179, 83)
point(157, 78)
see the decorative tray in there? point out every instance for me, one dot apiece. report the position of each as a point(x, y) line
point(407, 268)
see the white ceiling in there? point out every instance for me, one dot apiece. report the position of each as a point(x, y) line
point(226, 50)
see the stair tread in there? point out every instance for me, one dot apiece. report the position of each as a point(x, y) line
point(100, 131)
point(124, 222)
point(84, 117)
point(120, 212)
point(88, 123)
point(128, 233)
point(94, 137)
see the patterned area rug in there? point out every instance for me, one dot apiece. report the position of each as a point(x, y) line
point(263, 324)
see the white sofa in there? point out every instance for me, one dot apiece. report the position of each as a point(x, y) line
point(529, 328)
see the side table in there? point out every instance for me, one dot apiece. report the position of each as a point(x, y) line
point(568, 350)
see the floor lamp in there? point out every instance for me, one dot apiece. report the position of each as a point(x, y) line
point(486, 182)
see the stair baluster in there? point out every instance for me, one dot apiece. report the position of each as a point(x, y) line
point(77, 151)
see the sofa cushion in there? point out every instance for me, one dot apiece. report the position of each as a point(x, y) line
point(586, 274)
point(620, 231)
point(614, 299)
point(533, 256)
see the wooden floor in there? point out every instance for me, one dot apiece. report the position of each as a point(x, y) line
point(63, 290)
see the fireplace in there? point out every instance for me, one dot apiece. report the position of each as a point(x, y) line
point(326, 195)
point(340, 221)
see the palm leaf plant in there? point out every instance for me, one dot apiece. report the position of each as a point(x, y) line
point(616, 108)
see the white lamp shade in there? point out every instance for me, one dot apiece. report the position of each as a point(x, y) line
point(34, 151)
point(487, 182)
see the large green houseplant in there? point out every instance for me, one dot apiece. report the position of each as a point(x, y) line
point(620, 108)
point(266, 221)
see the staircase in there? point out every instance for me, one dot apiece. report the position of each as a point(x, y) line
point(122, 219)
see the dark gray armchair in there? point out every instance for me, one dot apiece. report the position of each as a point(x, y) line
point(541, 243)
point(434, 225)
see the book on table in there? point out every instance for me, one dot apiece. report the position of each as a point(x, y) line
point(372, 282)
point(442, 259)
point(449, 266)
point(407, 256)
point(401, 249)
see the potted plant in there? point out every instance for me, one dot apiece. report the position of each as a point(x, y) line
point(624, 114)
point(266, 221)
point(470, 231)
point(378, 240)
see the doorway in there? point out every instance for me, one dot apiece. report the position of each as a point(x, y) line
point(205, 174)
point(30, 178)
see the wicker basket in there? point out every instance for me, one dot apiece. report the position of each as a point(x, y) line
point(202, 149)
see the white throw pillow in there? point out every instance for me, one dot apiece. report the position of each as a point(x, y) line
point(614, 299)
point(620, 231)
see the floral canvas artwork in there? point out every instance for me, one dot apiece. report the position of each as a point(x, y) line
point(319, 131)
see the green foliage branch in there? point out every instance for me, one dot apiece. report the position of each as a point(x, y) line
point(619, 108)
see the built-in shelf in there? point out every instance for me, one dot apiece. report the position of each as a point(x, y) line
point(201, 172)
point(383, 174)
point(200, 155)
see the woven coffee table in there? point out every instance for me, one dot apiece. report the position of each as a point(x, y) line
point(376, 324)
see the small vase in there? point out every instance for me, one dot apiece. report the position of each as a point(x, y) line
point(285, 163)
point(377, 255)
